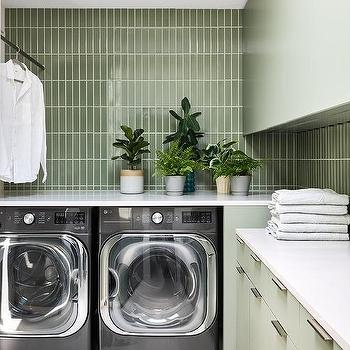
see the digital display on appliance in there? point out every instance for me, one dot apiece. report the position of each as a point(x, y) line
point(70, 217)
point(200, 217)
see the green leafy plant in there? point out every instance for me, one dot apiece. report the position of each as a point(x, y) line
point(176, 161)
point(242, 165)
point(134, 146)
point(220, 151)
point(188, 128)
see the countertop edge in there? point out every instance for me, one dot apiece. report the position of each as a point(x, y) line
point(96, 203)
point(115, 198)
point(328, 328)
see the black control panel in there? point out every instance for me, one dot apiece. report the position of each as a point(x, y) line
point(45, 219)
point(201, 219)
point(64, 218)
point(197, 217)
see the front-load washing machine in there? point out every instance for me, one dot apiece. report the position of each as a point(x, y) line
point(160, 282)
point(44, 278)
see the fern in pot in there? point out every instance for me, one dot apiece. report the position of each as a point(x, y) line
point(242, 167)
point(216, 158)
point(134, 146)
point(175, 163)
point(187, 135)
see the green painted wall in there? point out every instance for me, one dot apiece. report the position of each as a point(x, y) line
point(108, 67)
point(296, 63)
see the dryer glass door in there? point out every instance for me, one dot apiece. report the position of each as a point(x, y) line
point(159, 284)
point(41, 280)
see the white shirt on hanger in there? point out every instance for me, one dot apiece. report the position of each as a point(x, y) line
point(22, 125)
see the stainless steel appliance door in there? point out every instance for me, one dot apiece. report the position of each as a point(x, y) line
point(43, 285)
point(158, 284)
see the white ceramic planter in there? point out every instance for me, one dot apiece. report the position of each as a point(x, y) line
point(240, 185)
point(223, 184)
point(131, 181)
point(175, 185)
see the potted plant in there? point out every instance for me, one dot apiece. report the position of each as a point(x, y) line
point(187, 135)
point(242, 167)
point(175, 163)
point(216, 158)
point(132, 179)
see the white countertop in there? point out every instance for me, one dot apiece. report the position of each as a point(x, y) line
point(115, 198)
point(316, 273)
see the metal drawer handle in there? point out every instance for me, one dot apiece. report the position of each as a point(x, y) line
point(256, 293)
point(240, 269)
point(319, 330)
point(239, 240)
point(255, 258)
point(280, 330)
point(279, 284)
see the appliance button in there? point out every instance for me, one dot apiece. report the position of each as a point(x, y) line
point(157, 218)
point(28, 218)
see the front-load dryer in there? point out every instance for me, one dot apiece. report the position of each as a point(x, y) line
point(44, 278)
point(159, 279)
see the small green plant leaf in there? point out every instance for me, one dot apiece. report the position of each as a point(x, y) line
point(192, 123)
point(171, 138)
point(138, 133)
point(195, 115)
point(185, 104)
point(175, 115)
point(127, 131)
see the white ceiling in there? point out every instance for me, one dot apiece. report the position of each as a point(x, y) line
point(200, 4)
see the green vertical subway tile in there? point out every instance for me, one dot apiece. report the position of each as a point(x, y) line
point(40, 40)
point(26, 18)
point(33, 18)
point(45, 20)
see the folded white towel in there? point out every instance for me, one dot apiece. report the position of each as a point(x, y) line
point(310, 196)
point(324, 236)
point(293, 218)
point(275, 223)
point(310, 209)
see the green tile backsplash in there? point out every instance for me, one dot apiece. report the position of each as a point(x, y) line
point(109, 67)
point(323, 158)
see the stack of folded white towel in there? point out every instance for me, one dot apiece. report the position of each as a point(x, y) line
point(309, 214)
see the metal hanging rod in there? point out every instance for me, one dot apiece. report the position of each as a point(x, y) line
point(22, 53)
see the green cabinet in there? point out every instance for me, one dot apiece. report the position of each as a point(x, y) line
point(243, 297)
point(268, 315)
point(236, 217)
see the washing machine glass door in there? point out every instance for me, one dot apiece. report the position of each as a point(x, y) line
point(43, 285)
point(159, 284)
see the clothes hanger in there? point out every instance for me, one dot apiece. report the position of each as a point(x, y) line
point(20, 64)
point(17, 61)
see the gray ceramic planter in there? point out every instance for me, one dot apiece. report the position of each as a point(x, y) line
point(175, 185)
point(240, 185)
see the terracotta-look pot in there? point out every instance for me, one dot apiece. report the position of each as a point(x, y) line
point(223, 184)
point(240, 185)
point(175, 185)
point(131, 181)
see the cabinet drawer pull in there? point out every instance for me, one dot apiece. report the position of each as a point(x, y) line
point(255, 258)
point(279, 284)
point(256, 293)
point(239, 240)
point(280, 330)
point(240, 269)
point(319, 330)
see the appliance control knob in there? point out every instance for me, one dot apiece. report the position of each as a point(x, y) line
point(28, 218)
point(157, 218)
